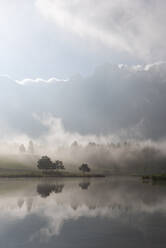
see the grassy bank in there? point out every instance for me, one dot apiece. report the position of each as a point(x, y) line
point(160, 177)
point(39, 174)
point(25, 166)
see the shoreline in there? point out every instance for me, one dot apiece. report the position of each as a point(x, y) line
point(161, 177)
point(26, 176)
point(59, 175)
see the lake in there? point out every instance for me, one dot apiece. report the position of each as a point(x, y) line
point(78, 213)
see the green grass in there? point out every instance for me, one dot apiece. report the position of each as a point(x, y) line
point(15, 166)
point(159, 177)
point(14, 173)
point(17, 162)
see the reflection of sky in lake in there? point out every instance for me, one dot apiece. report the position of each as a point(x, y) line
point(113, 212)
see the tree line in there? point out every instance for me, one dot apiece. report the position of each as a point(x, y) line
point(45, 163)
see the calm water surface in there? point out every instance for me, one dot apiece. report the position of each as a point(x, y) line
point(79, 213)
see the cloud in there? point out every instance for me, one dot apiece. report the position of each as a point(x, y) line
point(115, 101)
point(57, 134)
point(134, 26)
point(40, 81)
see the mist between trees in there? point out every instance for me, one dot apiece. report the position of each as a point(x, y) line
point(112, 158)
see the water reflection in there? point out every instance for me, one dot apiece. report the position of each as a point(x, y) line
point(109, 212)
point(84, 185)
point(46, 189)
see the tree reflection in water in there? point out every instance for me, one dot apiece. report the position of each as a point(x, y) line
point(110, 212)
point(46, 189)
point(84, 185)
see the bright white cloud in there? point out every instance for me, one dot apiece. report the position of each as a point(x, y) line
point(40, 81)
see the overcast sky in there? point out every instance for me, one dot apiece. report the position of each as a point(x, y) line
point(45, 38)
point(96, 65)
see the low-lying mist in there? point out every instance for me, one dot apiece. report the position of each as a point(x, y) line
point(108, 154)
point(114, 120)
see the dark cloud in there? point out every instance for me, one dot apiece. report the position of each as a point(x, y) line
point(121, 100)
